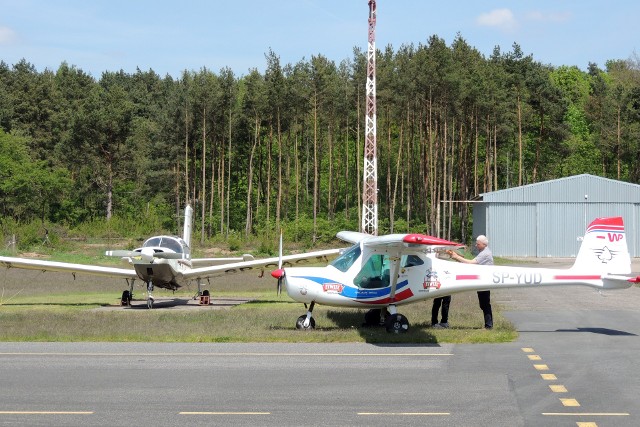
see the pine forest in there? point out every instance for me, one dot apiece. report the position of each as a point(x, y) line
point(282, 149)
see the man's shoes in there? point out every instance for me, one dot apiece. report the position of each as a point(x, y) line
point(441, 326)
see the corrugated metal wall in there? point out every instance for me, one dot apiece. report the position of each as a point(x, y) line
point(513, 226)
point(549, 219)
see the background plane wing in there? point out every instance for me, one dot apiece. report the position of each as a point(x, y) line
point(258, 264)
point(36, 264)
point(217, 261)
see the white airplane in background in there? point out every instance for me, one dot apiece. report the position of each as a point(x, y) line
point(165, 262)
point(383, 272)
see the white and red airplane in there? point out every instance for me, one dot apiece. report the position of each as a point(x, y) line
point(165, 262)
point(383, 272)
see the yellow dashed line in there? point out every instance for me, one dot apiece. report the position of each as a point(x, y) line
point(549, 377)
point(569, 402)
point(579, 424)
point(541, 367)
point(587, 414)
point(558, 388)
point(534, 357)
point(527, 349)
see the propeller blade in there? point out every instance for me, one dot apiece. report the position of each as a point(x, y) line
point(280, 266)
point(120, 253)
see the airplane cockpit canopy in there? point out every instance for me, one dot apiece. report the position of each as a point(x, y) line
point(174, 244)
point(346, 260)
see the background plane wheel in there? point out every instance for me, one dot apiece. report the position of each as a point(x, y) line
point(126, 298)
point(397, 323)
point(300, 322)
point(205, 293)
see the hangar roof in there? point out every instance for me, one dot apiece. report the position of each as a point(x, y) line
point(583, 188)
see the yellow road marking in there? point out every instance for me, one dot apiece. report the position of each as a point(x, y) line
point(534, 357)
point(569, 402)
point(588, 414)
point(541, 367)
point(404, 413)
point(224, 413)
point(579, 424)
point(548, 377)
point(558, 388)
point(527, 349)
point(46, 412)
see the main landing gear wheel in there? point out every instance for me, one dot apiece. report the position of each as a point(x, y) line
point(300, 323)
point(125, 301)
point(397, 324)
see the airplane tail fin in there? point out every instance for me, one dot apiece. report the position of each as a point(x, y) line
point(188, 225)
point(604, 248)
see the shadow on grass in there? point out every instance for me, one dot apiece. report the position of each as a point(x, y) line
point(378, 334)
point(54, 304)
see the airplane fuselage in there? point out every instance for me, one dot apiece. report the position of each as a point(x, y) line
point(163, 273)
point(432, 278)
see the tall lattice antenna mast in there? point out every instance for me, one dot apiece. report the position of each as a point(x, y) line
point(370, 195)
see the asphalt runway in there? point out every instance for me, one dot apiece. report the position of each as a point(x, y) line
point(575, 363)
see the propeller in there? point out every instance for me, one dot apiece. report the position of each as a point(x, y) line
point(120, 253)
point(279, 273)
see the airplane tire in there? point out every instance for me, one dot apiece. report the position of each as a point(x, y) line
point(300, 323)
point(205, 293)
point(126, 299)
point(397, 324)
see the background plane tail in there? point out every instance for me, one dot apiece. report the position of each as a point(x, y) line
point(188, 225)
point(604, 248)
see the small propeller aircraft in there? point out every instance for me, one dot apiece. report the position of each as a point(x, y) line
point(165, 262)
point(383, 272)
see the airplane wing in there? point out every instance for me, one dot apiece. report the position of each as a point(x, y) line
point(289, 260)
point(397, 240)
point(36, 264)
point(217, 261)
point(352, 236)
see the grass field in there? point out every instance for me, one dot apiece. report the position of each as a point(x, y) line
point(45, 306)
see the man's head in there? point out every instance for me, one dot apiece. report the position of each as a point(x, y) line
point(482, 242)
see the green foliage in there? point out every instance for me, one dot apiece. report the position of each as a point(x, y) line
point(28, 188)
point(283, 148)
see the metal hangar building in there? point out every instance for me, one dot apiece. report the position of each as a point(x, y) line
point(548, 219)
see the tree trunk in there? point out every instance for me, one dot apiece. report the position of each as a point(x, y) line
point(249, 218)
point(520, 148)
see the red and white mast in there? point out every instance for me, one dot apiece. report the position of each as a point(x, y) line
point(370, 194)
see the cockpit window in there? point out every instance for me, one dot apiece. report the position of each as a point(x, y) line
point(154, 241)
point(346, 260)
point(172, 243)
point(411, 261)
point(374, 274)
